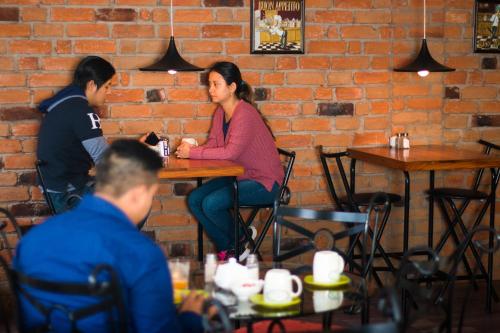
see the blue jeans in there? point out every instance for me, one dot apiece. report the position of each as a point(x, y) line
point(64, 201)
point(210, 204)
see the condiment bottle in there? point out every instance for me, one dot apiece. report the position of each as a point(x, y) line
point(210, 267)
point(253, 266)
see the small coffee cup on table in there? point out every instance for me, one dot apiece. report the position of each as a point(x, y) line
point(327, 266)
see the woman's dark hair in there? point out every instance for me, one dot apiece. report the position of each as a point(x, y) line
point(93, 68)
point(231, 73)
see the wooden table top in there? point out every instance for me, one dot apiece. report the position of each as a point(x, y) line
point(433, 157)
point(175, 168)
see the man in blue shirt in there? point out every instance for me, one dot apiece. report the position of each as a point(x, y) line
point(70, 140)
point(101, 229)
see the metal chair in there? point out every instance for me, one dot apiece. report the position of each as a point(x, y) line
point(6, 230)
point(283, 199)
point(448, 198)
point(341, 226)
point(428, 285)
point(100, 295)
point(349, 201)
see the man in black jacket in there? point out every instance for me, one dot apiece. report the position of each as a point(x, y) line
point(70, 140)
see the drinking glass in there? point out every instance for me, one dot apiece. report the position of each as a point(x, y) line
point(179, 271)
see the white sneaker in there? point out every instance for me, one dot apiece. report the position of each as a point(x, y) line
point(247, 251)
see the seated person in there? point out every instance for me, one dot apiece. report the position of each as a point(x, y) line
point(101, 230)
point(70, 140)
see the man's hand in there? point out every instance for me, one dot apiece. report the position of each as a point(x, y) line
point(193, 302)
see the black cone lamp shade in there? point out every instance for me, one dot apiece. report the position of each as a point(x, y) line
point(172, 62)
point(424, 63)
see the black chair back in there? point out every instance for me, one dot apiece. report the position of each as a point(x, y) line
point(41, 180)
point(8, 300)
point(103, 286)
point(8, 226)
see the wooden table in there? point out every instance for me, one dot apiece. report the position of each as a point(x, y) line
point(176, 168)
point(427, 158)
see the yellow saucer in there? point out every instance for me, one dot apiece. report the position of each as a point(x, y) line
point(258, 299)
point(342, 281)
point(180, 294)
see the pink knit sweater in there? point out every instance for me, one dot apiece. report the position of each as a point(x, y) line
point(248, 142)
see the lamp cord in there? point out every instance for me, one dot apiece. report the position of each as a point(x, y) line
point(424, 20)
point(172, 19)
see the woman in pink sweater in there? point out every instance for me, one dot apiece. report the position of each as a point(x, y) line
point(240, 134)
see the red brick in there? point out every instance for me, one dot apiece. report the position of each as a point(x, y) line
point(372, 17)
point(131, 111)
point(314, 62)
point(348, 4)
point(425, 103)
point(333, 140)
point(14, 30)
point(376, 123)
point(370, 78)
point(363, 32)
point(49, 80)
point(222, 31)
point(283, 94)
point(136, 2)
point(152, 79)
point(377, 92)
point(29, 14)
point(130, 31)
point(326, 47)
point(174, 110)
point(48, 30)
point(329, 16)
point(279, 125)
point(10, 146)
point(284, 63)
point(187, 95)
point(301, 78)
point(6, 63)
point(369, 138)
point(14, 96)
point(410, 90)
point(197, 126)
point(72, 14)
point(478, 92)
point(141, 127)
point(125, 95)
point(275, 78)
point(380, 107)
point(280, 109)
point(25, 129)
point(460, 107)
point(63, 46)
point(19, 161)
point(59, 63)
point(323, 94)
point(95, 46)
point(87, 30)
point(348, 93)
point(18, 193)
point(8, 178)
point(294, 141)
point(311, 124)
point(30, 46)
point(346, 123)
point(405, 118)
point(193, 16)
point(12, 80)
point(237, 47)
point(350, 63)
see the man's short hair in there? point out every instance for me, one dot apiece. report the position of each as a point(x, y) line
point(93, 68)
point(126, 164)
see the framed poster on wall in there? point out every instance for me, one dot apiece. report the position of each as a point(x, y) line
point(486, 22)
point(277, 26)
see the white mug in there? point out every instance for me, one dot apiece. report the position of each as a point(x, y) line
point(327, 300)
point(191, 141)
point(327, 266)
point(278, 286)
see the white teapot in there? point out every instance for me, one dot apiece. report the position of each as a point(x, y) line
point(230, 273)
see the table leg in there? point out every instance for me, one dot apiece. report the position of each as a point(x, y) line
point(200, 230)
point(430, 230)
point(236, 209)
point(406, 217)
point(494, 182)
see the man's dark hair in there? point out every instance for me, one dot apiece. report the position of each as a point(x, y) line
point(93, 68)
point(126, 164)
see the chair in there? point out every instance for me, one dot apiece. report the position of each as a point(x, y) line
point(8, 300)
point(352, 202)
point(5, 230)
point(423, 296)
point(283, 199)
point(219, 322)
point(341, 226)
point(103, 286)
point(447, 198)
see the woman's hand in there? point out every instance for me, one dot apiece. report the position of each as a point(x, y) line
point(183, 150)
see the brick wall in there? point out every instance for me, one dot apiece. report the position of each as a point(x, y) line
point(341, 92)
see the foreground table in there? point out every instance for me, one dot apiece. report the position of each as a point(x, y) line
point(176, 168)
point(427, 158)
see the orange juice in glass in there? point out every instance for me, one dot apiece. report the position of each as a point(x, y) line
point(179, 271)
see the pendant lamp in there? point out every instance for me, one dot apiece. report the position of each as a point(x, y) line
point(424, 63)
point(172, 62)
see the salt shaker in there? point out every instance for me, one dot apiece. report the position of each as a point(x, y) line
point(253, 266)
point(406, 141)
point(210, 267)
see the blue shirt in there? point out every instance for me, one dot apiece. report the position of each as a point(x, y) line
point(66, 248)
